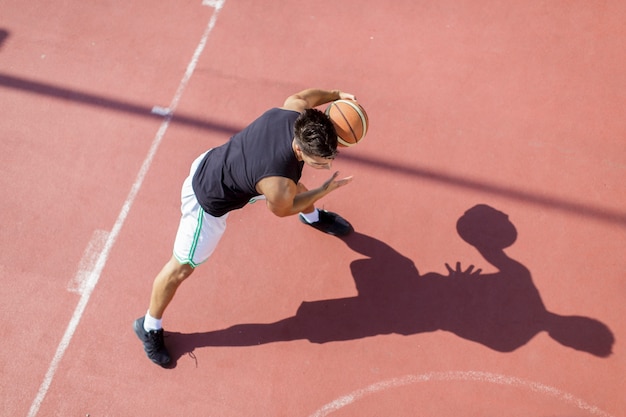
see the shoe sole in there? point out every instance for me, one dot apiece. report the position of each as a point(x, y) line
point(139, 331)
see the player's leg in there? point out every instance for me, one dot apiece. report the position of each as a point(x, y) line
point(197, 236)
point(165, 285)
point(149, 328)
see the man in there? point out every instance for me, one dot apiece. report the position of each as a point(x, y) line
point(264, 161)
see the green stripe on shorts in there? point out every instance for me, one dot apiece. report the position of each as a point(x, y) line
point(196, 237)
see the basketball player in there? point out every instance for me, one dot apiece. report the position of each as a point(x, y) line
point(263, 161)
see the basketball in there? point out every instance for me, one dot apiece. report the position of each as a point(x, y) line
point(350, 120)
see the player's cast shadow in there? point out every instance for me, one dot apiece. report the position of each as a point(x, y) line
point(501, 310)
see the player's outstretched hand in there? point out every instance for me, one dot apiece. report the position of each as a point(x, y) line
point(333, 183)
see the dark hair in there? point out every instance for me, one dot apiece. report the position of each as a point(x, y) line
point(315, 134)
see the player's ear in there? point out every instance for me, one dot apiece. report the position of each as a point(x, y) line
point(296, 147)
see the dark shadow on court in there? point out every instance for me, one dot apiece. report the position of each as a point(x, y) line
point(4, 34)
point(66, 94)
point(61, 93)
point(577, 208)
point(502, 311)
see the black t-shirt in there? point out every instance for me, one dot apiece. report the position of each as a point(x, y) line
point(227, 176)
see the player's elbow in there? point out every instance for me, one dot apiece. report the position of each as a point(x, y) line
point(282, 214)
point(280, 211)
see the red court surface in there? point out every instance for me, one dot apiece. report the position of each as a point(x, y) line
point(480, 106)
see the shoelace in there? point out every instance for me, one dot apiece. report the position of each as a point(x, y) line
point(156, 340)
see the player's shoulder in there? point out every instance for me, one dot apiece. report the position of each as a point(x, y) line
point(295, 103)
point(285, 111)
point(280, 113)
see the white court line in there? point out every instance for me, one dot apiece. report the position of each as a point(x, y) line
point(214, 3)
point(475, 376)
point(89, 283)
point(88, 262)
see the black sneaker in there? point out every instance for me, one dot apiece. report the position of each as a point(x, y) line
point(330, 223)
point(153, 343)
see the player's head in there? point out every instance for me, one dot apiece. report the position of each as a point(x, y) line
point(315, 134)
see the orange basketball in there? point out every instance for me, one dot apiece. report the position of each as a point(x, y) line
point(350, 121)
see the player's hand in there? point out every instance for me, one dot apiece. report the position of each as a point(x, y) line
point(346, 96)
point(333, 183)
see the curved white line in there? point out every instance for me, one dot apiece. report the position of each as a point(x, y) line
point(458, 376)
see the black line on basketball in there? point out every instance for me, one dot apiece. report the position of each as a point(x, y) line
point(347, 122)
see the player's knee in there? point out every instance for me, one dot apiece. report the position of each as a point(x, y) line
point(180, 272)
point(185, 271)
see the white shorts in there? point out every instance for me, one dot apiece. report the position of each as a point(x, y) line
point(198, 232)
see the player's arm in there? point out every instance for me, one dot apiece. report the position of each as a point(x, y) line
point(283, 199)
point(313, 97)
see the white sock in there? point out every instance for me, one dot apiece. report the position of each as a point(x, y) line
point(312, 217)
point(150, 323)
